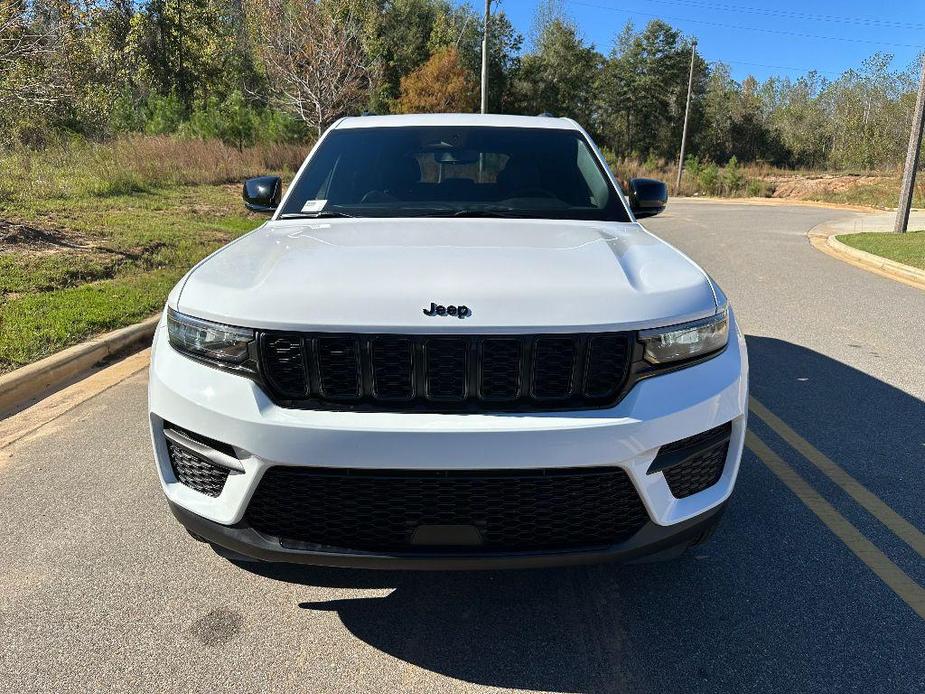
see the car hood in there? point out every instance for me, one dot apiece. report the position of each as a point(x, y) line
point(379, 274)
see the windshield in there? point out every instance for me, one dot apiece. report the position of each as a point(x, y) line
point(455, 171)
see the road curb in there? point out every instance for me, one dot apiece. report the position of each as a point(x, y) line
point(778, 202)
point(823, 237)
point(27, 383)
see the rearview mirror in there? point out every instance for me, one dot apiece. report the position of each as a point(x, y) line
point(262, 194)
point(647, 196)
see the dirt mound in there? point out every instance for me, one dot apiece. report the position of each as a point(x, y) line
point(806, 187)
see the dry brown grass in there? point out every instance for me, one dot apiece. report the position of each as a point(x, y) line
point(136, 164)
point(878, 189)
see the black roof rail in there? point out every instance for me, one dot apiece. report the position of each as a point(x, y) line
point(369, 113)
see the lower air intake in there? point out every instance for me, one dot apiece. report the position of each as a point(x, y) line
point(696, 463)
point(501, 511)
point(196, 472)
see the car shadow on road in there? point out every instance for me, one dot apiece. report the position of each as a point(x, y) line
point(872, 430)
point(744, 612)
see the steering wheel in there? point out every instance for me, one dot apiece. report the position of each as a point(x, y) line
point(375, 196)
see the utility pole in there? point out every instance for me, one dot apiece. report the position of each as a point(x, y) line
point(912, 158)
point(485, 58)
point(687, 111)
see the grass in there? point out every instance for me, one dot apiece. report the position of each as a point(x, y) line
point(98, 234)
point(122, 255)
point(908, 248)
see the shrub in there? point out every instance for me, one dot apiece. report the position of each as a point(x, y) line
point(732, 178)
point(692, 166)
point(709, 179)
point(165, 113)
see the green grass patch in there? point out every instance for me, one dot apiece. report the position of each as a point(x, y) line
point(37, 325)
point(908, 248)
point(74, 267)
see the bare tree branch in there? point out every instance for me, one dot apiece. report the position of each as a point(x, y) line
point(315, 63)
point(26, 44)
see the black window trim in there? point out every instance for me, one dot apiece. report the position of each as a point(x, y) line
point(611, 180)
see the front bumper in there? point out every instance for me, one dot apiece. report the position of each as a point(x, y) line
point(658, 411)
point(651, 542)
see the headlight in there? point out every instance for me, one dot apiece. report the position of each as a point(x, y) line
point(221, 343)
point(687, 340)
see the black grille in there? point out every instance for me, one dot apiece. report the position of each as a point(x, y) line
point(339, 365)
point(553, 367)
point(511, 510)
point(698, 473)
point(447, 373)
point(393, 368)
point(286, 364)
point(607, 359)
point(701, 457)
point(195, 472)
point(445, 360)
point(499, 377)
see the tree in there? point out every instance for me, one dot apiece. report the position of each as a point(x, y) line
point(461, 28)
point(644, 90)
point(559, 76)
point(23, 44)
point(313, 57)
point(799, 119)
point(45, 67)
point(736, 121)
point(441, 85)
point(183, 47)
point(399, 42)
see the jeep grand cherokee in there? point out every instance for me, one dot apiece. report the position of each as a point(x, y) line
point(451, 346)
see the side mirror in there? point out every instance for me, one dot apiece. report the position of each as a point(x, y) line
point(647, 196)
point(262, 194)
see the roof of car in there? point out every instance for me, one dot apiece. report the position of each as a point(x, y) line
point(456, 120)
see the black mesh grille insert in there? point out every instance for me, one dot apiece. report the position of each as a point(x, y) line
point(195, 472)
point(393, 367)
point(339, 364)
point(698, 473)
point(608, 360)
point(553, 367)
point(470, 373)
point(445, 360)
point(285, 363)
point(512, 510)
point(499, 377)
point(701, 460)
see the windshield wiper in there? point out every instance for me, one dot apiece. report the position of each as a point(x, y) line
point(492, 212)
point(314, 215)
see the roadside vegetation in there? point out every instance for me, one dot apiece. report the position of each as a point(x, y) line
point(908, 248)
point(101, 233)
point(127, 127)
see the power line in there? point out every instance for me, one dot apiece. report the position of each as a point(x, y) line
point(789, 14)
point(744, 28)
point(780, 67)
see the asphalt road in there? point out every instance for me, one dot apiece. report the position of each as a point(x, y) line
point(101, 590)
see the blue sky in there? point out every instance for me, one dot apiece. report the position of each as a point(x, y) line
point(744, 33)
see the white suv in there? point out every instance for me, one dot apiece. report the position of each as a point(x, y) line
point(452, 346)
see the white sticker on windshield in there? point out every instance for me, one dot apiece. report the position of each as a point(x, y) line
point(314, 205)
